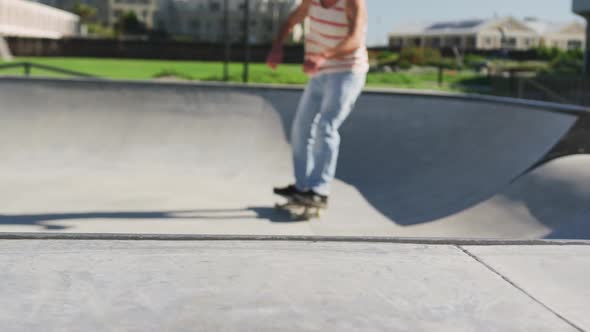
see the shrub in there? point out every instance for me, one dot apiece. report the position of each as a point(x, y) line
point(548, 53)
point(404, 64)
point(386, 55)
point(473, 61)
point(553, 53)
point(420, 56)
point(446, 63)
point(566, 63)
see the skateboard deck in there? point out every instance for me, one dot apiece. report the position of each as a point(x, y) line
point(300, 210)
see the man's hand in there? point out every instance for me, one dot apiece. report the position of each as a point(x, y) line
point(275, 57)
point(313, 63)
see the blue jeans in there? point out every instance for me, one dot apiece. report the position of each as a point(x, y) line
point(327, 101)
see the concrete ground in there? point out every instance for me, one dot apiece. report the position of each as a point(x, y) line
point(85, 161)
point(264, 285)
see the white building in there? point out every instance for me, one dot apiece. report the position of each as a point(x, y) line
point(561, 35)
point(109, 11)
point(203, 20)
point(21, 18)
point(489, 34)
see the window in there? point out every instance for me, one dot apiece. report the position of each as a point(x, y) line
point(471, 42)
point(214, 6)
point(397, 42)
point(436, 42)
point(510, 42)
point(529, 42)
point(488, 41)
point(574, 44)
point(453, 41)
point(117, 13)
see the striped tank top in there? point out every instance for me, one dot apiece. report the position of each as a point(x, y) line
point(327, 28)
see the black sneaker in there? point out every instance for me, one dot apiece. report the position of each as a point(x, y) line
point(288, 192)
point(314, 199)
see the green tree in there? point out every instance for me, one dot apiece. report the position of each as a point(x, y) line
point(548, 53)
point(86, 12)
point(129, 24)
point(570, 63)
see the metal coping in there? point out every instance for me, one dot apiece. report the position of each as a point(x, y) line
point(288, 238)
point(546, 106)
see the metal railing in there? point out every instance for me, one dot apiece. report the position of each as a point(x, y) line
point(29, 66)
point(567, 90)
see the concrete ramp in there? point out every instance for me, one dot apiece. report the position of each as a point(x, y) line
point(83, 156)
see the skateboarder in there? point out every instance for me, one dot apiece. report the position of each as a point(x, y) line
point(336, 61)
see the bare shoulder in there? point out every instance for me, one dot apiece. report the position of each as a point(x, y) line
point(356, 7)
point(355, 4)
point(306, 3)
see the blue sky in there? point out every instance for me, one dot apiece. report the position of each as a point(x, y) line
point(386, 14)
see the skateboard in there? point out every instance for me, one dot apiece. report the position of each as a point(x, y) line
point(300, 210)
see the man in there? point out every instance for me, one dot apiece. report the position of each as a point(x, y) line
point(336, 60)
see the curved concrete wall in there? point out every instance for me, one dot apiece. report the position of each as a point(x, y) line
point(416, 159)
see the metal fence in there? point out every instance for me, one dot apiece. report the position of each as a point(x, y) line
point(567, 90)
point(28, 66)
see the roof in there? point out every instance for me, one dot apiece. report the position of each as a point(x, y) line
point(472, 26)
point(543, 27)
point(443, 27)
point(19, 31)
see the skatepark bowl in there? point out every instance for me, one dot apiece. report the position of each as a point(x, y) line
point(143, 206)
point(90, 156)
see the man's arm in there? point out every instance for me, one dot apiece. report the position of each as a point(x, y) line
point(297, 16)
point(357, 15)
point(275, 57)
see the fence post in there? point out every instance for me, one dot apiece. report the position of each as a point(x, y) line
point(226, 40)
point(587, 51)
point(440, 75)
point(246, 41)
point(27, 67)
point(512, 80)
point(521, 83)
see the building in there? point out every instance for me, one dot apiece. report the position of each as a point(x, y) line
point(560, 35)
point(21, 18)
point(489, 34)
point(68, 5)
point(109, 11)
point(145, 10)
point(203, 20)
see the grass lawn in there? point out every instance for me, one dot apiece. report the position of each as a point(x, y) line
point(135, 69)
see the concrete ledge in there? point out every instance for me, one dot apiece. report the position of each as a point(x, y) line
point(286, 238)
point(535, 104)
